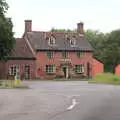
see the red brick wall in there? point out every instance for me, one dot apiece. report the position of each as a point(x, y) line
point(42, 60)
point(97, 67)
point(117, 69)
point(2, 69)
point(22, 63)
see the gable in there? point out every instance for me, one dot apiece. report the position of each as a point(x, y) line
point(21, 50)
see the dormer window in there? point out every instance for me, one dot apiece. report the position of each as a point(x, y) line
point(73, 42)
point(51, 40)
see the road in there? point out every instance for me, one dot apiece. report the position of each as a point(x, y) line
point(71, 100)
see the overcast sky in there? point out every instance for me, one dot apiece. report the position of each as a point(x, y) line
point(100, 15)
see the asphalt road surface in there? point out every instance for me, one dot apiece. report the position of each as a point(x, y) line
point(72, 100)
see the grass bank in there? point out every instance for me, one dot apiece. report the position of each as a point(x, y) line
point(105, 78)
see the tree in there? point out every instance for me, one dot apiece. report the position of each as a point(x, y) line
point(6, 35)
point(112, 50)
point(97, 40)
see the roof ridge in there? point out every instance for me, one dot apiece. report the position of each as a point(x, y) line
point(53, 32)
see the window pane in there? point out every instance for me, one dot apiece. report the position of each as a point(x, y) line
point(79, 68)
point(14, 69)
point(80, 54)
point(50, 68)
point(50, 54)
point(65, 54)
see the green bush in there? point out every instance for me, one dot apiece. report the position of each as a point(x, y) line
point(105, 78)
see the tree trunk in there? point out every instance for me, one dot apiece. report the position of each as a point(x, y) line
point(113, 68)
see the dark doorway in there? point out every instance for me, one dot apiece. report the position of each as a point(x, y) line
point(64, 70)
point(27, 72)
point(88, 69)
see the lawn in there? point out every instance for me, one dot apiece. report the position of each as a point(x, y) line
point(105, 78)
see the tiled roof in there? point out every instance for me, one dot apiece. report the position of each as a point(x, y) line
point(22, 50)
point(39, 41)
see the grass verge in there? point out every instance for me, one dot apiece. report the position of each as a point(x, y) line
point(105, 78)
point(9, 84)
point(70, 79)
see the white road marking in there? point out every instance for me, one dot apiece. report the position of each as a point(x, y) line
point(73, 104)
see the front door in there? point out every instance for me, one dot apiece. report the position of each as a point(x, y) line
point(65, 71)
point(88, 69)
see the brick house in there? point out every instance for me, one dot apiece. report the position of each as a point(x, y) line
point(22, 60)
point(60, 54)
point(50, 54)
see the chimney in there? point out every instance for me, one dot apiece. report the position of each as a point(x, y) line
point(80, 28)
point(28, 26)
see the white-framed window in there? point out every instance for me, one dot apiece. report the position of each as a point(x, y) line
point(50, 54)
point(27, 71)
point(80, 54)
point(14, 70)
point(65, 54)
point(51, 68)
point(79, 68)
point(51, 40)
